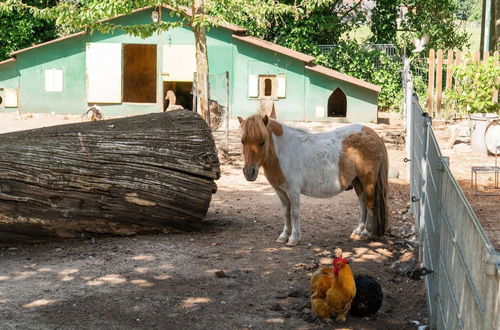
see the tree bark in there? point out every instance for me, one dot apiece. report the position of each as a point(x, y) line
point(153, 172)
point(200, 40)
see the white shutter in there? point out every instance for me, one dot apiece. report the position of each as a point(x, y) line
point(253, 85)
point(53, 80)
point(179, 62)
point(10, 98)
point(58, 80)
point(49, 80)
point(104, 72)
point(281, 86)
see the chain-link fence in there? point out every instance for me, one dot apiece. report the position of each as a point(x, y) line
point(463, 290)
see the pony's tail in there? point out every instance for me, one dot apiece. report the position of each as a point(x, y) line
point(381, 210)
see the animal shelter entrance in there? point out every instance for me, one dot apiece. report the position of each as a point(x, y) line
point(182, 92)
point(337, 104)
point(139, 73)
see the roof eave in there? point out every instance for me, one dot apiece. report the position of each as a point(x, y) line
point(275, 48)
point(341, 76)
point(47, 43)
point(9, 60)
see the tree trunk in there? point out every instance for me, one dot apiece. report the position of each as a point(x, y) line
point(200, 40)
point(153, 172)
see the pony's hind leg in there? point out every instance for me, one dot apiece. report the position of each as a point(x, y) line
point(369, 194)
point(362, 218)
point(287, 228)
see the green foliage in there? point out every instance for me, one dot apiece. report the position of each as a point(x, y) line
point(469, 10)
point(384, 26)
point(370, 65)
point(20, 29)
point(299, 25)
point(476, 83)
point(435, 19)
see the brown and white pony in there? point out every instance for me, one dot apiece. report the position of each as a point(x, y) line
point(318, 165)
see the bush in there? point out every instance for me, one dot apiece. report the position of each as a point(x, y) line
point(475, 84)
point(360, 62)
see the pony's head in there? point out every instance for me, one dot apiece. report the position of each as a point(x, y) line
point(255, 138)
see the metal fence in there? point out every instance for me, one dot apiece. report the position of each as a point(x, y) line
point(463, 290)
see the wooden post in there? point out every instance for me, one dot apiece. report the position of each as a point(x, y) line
point(227, 112)
point(477, 57)
point(486, 54)
point(439, 81)
point(430, 87)
point(449, 78)
point(458, 60)
point(495, 93)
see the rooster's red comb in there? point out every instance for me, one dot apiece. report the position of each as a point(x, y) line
point(340, 259)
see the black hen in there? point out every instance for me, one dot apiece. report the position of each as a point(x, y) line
point(369, 296)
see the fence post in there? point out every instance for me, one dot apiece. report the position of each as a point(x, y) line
point(430, 86)
point(423, 183)
point(491, 299)
point(439, 82)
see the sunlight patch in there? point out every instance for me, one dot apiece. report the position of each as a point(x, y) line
point(108, 279)
point(194, 301)
point(143, 257)
point(4, 278)
point(68, 271)
point(24, 275)
point(143, 283)
point(4, 301)
point(44, 269)
point(166, 266)
point(275, 320)
point(39, 303)
point(141, 270)
point(162, 277)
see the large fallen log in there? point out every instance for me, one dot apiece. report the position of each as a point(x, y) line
point(120, 176)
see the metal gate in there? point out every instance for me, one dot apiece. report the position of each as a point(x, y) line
point(463, 291)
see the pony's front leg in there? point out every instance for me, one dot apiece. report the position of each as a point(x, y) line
point(287, 228)
point(294, 238)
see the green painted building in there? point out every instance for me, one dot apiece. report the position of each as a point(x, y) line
point(126, 75)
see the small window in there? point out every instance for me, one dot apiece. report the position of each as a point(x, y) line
point(53, 80)
point(267, 86)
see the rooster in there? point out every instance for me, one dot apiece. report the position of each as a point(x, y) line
point(332, 290)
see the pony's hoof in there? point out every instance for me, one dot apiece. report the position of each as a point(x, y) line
point(292, 243)
point(355, 236)
point(365, 235)
point(282, 240)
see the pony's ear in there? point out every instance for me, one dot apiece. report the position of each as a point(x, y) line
point(241, 120)
point(265, 120)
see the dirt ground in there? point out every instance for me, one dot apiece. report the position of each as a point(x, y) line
point(230, 275)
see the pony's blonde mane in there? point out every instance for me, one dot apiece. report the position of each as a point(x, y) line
point(253, 128)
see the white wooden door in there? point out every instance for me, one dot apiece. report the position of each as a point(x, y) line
point(104, 72)
point(179, 62)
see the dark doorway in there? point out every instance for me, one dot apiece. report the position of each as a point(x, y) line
point(139, 73)
point(182, 90)
point(337, 104)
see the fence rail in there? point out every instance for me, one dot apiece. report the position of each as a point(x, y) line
point(463, 290)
